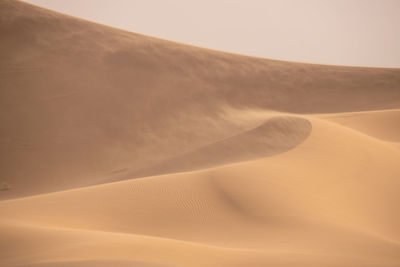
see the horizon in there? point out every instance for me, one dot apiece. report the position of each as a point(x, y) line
point(348, 33)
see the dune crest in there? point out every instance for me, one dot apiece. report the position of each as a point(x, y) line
point(276, 135)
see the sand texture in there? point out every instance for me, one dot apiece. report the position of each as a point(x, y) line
point(119, 149)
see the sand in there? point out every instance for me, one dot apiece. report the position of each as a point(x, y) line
point(127, 150)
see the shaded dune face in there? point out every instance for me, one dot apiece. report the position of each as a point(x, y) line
point(118, 149)
point(276, 135)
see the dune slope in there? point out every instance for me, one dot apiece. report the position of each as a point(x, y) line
point(127, 150)
point(83, 103)
point(383, 125)
point(320, 204)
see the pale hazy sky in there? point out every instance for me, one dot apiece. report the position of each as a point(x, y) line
point(344, 32)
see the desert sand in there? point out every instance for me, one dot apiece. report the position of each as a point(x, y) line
point(127, 150)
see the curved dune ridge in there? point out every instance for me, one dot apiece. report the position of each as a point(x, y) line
point(119, 149)
point(275, 135)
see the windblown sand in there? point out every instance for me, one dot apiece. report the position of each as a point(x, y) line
point(126, 150)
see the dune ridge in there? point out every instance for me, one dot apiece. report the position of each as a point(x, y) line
point(126, 150)
point(276, 135)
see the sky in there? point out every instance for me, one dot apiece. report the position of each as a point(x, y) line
point(338, 32)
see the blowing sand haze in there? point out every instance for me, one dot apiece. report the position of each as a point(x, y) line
point(119, 149)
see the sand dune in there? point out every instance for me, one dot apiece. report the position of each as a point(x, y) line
point(275, 135)
point(383, 125)
point(319, 199)
point(126, 150)
point(139, 101)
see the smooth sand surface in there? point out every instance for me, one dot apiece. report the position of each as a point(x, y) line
point(126, 150)
point(383, 125)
